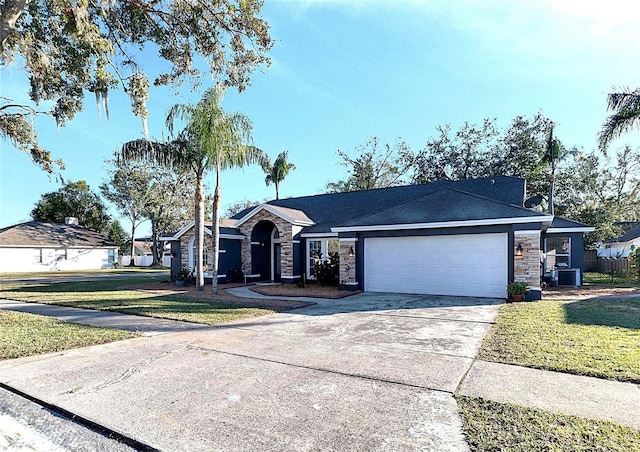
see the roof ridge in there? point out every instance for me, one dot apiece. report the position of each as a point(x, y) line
point(440, 181)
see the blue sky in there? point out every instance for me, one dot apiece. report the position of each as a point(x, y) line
point(344, 71)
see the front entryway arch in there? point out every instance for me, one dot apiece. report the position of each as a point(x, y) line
point(266, 251)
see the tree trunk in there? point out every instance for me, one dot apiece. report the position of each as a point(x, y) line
point(551, 184)
point(155, 242)
point(133, 239)
point(11, 11)
point(216, 229)
point(199, 213)
point(277, 189)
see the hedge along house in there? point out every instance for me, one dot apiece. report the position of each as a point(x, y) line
point(464, 238)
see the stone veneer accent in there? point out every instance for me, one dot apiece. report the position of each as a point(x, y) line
point(184, 249)
point(527, 268)
point(347, 262)
point(285, 230)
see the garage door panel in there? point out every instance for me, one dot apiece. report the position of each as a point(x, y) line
point(465, 265)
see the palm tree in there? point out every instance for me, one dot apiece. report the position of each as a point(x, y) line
point(225, 139)
point(553, 152)
point(180, 154)
point(211, 138)
point(277, 171)
point(626, 115)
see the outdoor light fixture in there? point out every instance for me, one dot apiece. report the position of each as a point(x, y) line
point(519, 250)
point(351, 252)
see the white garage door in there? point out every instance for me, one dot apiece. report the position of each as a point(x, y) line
point(465, 265)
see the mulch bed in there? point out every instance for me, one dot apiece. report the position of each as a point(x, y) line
point(310, 290)
point(190, 292)
point(587, 291)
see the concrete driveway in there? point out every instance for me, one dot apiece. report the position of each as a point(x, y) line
point(369, 372)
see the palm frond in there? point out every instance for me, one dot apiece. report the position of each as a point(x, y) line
point(618, 124)
point(626, 107)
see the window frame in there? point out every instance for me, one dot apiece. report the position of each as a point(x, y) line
point(548, 269)
point(324, 249)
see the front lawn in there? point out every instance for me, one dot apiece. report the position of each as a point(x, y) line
point(109, 295)
point(595, 337)
point(497, 426)
point(620, 280)
point(104, 271)
point(28, 334)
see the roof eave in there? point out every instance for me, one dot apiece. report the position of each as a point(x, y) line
point(445, 224)
point(569, 230)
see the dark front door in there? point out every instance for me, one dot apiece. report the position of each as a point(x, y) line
point(261, 249)
point(277, 274)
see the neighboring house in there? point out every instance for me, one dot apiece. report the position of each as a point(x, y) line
point(35, 246)
point(467, 238)
point(143, 253)
point(621, 246)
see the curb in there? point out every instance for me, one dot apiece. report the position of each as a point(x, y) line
point(85, 422)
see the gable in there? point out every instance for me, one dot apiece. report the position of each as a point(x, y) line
point(445, 207)
point(294, 216)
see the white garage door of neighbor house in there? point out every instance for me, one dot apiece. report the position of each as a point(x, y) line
point(465, 265)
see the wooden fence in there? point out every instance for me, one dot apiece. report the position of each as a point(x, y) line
point(590, 261)
point(620, 266)
point(608, 265)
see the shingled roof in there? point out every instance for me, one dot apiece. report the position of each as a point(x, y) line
point(52, 235)
point(334, 209)
point(446, 205)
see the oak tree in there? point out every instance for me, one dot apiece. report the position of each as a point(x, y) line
point(67, 49)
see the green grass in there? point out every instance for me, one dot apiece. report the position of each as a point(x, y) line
point(106, 271)
point(620, 280)
point(108, 295)
point(28, 334)
point(594, 337)
point(495, 426)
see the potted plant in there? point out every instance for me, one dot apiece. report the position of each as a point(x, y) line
point(183, 277)
point(516, 290)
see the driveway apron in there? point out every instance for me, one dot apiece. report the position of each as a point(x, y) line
point(369, 372)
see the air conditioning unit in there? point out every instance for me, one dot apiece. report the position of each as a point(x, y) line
point(569, 277)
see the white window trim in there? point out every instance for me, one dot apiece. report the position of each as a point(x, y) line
point(192, 261)
point(557, 255)
point(323, 248)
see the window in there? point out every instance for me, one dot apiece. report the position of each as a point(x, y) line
point(205, 256)
point(113, 254)
point(557, 252)
point(60, 255)
point(320, 249)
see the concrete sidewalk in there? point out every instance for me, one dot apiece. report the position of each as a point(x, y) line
point(360, 373)
point(147, 326)
point(587, 397)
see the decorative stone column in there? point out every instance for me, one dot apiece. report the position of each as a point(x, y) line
point(526, 260)
point(285, 230)
point(347, 253)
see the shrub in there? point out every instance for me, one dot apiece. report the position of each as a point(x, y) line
point(634, 258)
point(235, 275)
point(186, 274)
point(517, 288)
point(327, 272)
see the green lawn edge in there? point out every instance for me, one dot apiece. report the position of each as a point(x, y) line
point(595, 337)
point(109, 295)
point(26, 334)
point(493, 426)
